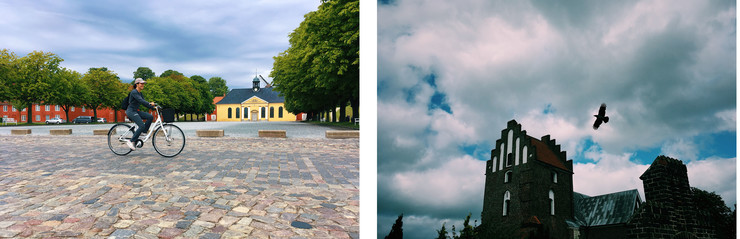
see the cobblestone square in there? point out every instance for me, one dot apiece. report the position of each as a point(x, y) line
point(73, 186)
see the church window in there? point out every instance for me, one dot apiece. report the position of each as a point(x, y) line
point(554, 177)
point(229, 113)
point(272, 112)
point(280, 112)
point(552, 203)
point(507, 176)
point(237, 112)
point(507, 201)
point(262, 113)
point(509, 159)
point(246, 113)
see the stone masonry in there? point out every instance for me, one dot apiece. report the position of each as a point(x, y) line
point(669, 211)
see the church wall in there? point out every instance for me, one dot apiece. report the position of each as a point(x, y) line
point(223, 109)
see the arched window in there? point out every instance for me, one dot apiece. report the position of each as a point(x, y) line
point(229, 113)
point(507, 201)
point(554, 177)
point(507, 176)
point(552, 203)
point(509, 159)
point(272, 112)
point(280, 112)
point(237, 112)
point(246, 113)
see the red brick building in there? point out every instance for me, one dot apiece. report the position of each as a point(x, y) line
point(40, 113)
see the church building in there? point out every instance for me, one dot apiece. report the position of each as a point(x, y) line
point(529, 194)
point(253, 104)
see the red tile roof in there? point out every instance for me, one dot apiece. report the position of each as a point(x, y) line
point(545, 155)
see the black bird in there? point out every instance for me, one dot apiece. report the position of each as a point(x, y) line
point(601, 117)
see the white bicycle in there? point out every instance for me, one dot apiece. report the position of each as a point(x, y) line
point(168, 139)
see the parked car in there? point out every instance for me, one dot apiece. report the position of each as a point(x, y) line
point(102, 120)
point(82, 119)
point(55, 120)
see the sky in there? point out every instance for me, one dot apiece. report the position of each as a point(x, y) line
point(233, 40)
point(451, 74)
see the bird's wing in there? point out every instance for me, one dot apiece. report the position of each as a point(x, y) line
point(602, 110)
point(597, 123)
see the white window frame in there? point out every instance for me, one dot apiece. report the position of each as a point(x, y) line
point(38, 118)
point(507, 176)
point(5, 108)
point(38, 108)
point(73, 109)
point(56, 108)
point(552, 202)
point(507, 201)
point(47, 107)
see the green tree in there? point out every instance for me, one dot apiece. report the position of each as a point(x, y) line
point(144, 73)
point(205, 99)
point(67, 90)
point(467, 232)
point(218, 86)
point(35, 74)
point(720, 215)
point(9, 65)
point(170, 72)
point(104, 89)
point(320, 69)
point(396, 229)
point(442, 232)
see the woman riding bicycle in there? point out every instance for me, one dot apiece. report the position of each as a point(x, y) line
point(133, 113)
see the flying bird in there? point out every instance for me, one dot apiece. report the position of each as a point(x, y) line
point(601, 117)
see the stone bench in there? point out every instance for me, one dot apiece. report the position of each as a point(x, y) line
point(272, 133)
point(342, 134)
point(60, 131)
point(20, 131)
point(210, 133)
point(101, 131)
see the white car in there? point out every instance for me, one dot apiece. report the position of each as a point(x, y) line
point(101, 120)
point(55, 120)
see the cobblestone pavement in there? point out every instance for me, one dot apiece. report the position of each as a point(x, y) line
point(73, 186)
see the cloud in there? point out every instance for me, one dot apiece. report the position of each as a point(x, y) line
point(233, 40)
point(455, 185)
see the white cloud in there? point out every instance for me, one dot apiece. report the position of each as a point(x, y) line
point(715, 175)
point(457, 181)
point(680, 148)
point(610, 173)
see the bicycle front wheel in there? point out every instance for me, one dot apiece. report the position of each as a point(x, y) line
point(168, 140)
point(117, 137)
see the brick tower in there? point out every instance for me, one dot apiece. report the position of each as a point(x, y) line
point(669, 211)
point(529, 188)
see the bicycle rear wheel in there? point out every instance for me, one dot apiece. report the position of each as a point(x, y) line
point(117, 137)
point(171, 144)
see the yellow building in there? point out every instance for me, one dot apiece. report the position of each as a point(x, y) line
point(253, 104)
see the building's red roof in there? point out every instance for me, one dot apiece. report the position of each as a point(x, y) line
point(546, 155)
point(217, 99)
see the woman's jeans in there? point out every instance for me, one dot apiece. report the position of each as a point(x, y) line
point(137, 117)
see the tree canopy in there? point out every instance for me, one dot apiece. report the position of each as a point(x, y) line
point(217, 85)
point(320, 69)
point(144, 73)
point(37, 78)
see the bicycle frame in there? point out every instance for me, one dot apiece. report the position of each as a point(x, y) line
point(157, 122)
